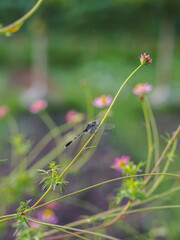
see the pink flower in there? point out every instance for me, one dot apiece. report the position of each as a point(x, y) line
point(119, 163)
point(38, 105)
point(145, 59)
point(103, 101)
point(141, 89)
point(4, 109)
point(74, 117)
point(48, 216)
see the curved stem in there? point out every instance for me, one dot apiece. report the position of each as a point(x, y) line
point(45, 140)
point(149, 136)
point(159, 180)
point(43, 196)
point(34, 207)
point(115, 211)
point(104, 118)
point(175, 134)
point(22, 19)
point(100, 184)
point(154, 130)
point(63, 228)
point(105, 225)
point(117, 94)
point(57, 227)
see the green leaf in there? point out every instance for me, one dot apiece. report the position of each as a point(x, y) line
point(27, 223)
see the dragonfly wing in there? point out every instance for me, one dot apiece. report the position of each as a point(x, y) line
point(105, 127)
point(108, 126)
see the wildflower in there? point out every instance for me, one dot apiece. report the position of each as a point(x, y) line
point(3, 111)
point(38, 105)
point(141, 89)
point(103, 101)
point(119, 163)
point(48, 216)
point(74, 117)
point(145, 59)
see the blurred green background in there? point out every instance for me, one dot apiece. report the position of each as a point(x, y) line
point(67, 44)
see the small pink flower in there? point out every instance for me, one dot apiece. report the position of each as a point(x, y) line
point(74, 117)
point(119, 163)
point(103, 101)
point(48, 216)
point(38, 105)
point(4, 109)
point(141, 89)
point(145, 59)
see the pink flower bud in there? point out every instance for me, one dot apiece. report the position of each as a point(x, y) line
point(37, 106)
point(145, 59)
point(4, 109)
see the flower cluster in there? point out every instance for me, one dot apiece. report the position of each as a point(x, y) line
point(145, 59)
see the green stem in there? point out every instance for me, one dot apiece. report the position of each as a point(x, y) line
point(8, 217)
point(105, 116)
point(149, 136)
point(104, 225)
point(4, 220)
point(102, 183)
point(22, 19)
point(48, 157)
point(143, 210)
point(63, 228)
point(43, 196)
point(152, 208)
point(154, 130)
point(57, 227)
point(104, 214)
point(175, 134)
point(84, 158)
point(45, 140)
point(159, 180)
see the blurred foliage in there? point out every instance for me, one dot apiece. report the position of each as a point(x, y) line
point(99, 16)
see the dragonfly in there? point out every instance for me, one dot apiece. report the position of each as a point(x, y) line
point(91, 127)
